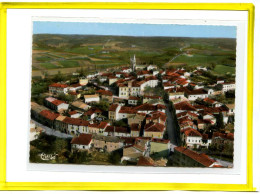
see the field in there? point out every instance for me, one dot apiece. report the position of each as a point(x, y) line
point(54, 53)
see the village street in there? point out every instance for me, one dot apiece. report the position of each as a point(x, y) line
point(170, 126)
point(50, 131)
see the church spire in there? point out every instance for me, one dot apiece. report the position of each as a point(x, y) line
point(133, 61)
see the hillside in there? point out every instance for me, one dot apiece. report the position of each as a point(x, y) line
point(66, 53)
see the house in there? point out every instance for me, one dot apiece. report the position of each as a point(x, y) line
point(47, 118)
point(60, 124)
point(82, 142)
point(76, 126)
point(35, 111)
point(75, 95)
point(91, 98)
point(55, 104)
point(78, 105)
point(203, 123)
point(145, 161)
point(75, 87)
point(192, 138)
point(154, 130)
point(209, 116)
point(184, 157)
point(112, 79)
point(97, 128)
point(74, 114)
point(148, 108)
point(212, 103)
point(133, 100)
point(93, 112)
point(135, 129)
point(107, 143)
point(126, 69)
point(183, 107)
point(193, 95)
point(159, 148)
point(117, 131)
point(123, 91)
point(126, 112)
point(83, 81)
point(156, 117)
point(231, 108)
point(151, 67)
point(151, 81)
point(223, 142)
point(133, 152)
point(137, 118)
point(135, 88)
point(57, 88)
point(113, 112)
point(227, 86)
point(105, 95)
point(168, 85)
point(143, 74)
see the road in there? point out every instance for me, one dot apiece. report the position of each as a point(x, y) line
point(170, 126)
point(50, 131)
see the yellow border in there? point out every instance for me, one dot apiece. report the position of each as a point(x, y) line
point(126, 186)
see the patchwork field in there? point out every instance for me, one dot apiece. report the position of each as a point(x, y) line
point(60, 52)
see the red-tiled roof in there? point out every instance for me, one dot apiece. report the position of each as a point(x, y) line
point(57, 85)
point(143, 72)
point(113, 107)
point(128, 110)
point(156, 140)
point(149, 107)
point(200, 158)
point(192, 133)
point(93, 110)
point(197, 92)
point(145, 161)
point(184, 106)
point(116, 129)
point(82, 139)
point(223, 135)
point(105, 92)
point(76, 85)
point(76, 121)
point(208, 100)
point(154, 127)
point(72, 112)
point(57, 102)
point(157, 115)
point(128, 140)
point(135, 127)
point(49, 114)
point(133, 98)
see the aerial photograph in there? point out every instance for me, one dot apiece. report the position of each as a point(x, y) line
point(132, 94)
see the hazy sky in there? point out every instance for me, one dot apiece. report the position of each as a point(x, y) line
point(173, 30)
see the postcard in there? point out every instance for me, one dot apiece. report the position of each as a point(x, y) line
point(131, 94)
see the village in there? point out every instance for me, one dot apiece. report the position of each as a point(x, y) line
point(142, 115)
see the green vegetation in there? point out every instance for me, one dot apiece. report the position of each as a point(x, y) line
point(223, 69)
point(113, 51)
point(48, 66)
point(67, 64)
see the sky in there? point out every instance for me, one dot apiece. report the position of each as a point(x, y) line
point(124, 29)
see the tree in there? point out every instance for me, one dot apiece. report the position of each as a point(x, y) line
point(218, 87)
point(219, 122)
point(166, 97)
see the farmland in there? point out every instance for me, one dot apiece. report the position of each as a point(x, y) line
point(53, 53)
